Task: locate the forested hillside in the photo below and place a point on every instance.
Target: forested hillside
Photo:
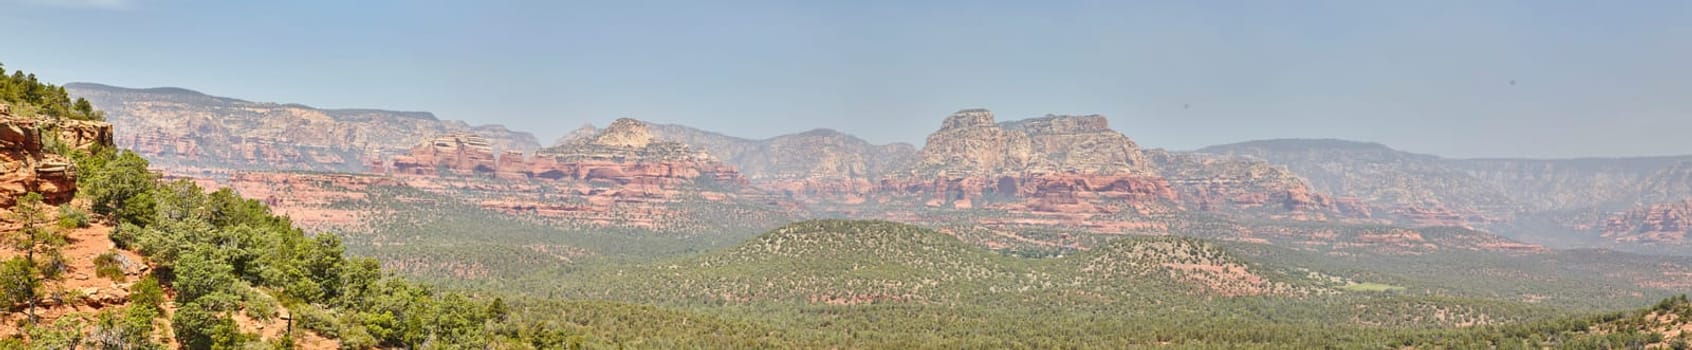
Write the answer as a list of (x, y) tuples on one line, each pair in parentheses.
[(213, 269)]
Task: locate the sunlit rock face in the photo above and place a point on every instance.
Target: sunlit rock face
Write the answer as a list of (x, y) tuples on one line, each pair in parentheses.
[(183, 128), (26, 165)]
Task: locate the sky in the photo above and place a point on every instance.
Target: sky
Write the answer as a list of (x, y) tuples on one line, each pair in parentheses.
[(1540, 78)]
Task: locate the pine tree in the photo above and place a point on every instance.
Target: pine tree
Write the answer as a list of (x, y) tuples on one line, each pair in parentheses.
[(34, 236)]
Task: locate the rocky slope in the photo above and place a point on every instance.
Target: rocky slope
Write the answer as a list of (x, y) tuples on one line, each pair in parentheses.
[(179, 127), (1506, 195), (29, 162)]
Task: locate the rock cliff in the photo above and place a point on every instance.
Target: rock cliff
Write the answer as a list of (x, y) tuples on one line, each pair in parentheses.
[(813, 165), (460, 154), (1656, 223), (625, 153), (179, 127), (1550, 200), (1053, 164), (29, 158)]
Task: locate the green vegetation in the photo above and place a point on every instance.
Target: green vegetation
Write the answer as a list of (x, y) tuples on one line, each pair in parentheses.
[(1372, 287), (870, 284), (24, 275), (30, 98), (106, 265), (224, 254), (867, 284)]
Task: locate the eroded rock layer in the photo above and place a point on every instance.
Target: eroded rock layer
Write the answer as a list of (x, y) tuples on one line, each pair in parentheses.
[(1656, 223), (29, 164), (178, 127)]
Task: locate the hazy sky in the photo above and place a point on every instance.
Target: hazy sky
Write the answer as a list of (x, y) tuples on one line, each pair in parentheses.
[(1592, 77)]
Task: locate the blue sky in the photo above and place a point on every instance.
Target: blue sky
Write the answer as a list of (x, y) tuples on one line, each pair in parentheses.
[(1593, 78)]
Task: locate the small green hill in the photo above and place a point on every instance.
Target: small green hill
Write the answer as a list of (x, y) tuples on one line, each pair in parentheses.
[(1196, 266), (872, 249), (824, 262), (867, 262)]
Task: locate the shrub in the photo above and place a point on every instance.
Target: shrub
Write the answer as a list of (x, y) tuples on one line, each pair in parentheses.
[(53, 265), (72, 218), (107, 265), (199, 328), (16, 282), (147, 293)]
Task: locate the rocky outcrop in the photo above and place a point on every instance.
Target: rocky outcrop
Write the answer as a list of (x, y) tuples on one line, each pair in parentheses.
[(1551, 200), (815, 165), (626, 153), (1052, 164), (182, 128), (1656, 223), (28, 162), (459, 154), (1078, 144), (1392, 180), (970, 143), (1224, 183)]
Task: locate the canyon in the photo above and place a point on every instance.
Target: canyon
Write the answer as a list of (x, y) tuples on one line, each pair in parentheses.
[(1049, 172), (974, 173)]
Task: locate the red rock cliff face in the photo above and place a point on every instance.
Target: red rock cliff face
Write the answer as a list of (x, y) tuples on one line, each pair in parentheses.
[(820, 165), (459, 154), (177, 128), (1657, 223), (1054, 163), (624, 154), (26, 165)]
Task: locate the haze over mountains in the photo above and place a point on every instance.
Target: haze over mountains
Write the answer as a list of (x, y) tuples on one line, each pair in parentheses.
[(845, 175), (642, 235), (1067, 170)]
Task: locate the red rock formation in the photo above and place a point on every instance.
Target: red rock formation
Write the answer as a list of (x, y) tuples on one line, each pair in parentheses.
[(621, 166), (460, 154), (626, 153), (1660, 223), (27, 166), (1042, 192), (1049, 164), (182, 128), (512, 166)]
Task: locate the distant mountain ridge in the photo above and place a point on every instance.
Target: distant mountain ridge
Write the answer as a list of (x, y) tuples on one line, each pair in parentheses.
[(1540, 199), (182, 127)]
